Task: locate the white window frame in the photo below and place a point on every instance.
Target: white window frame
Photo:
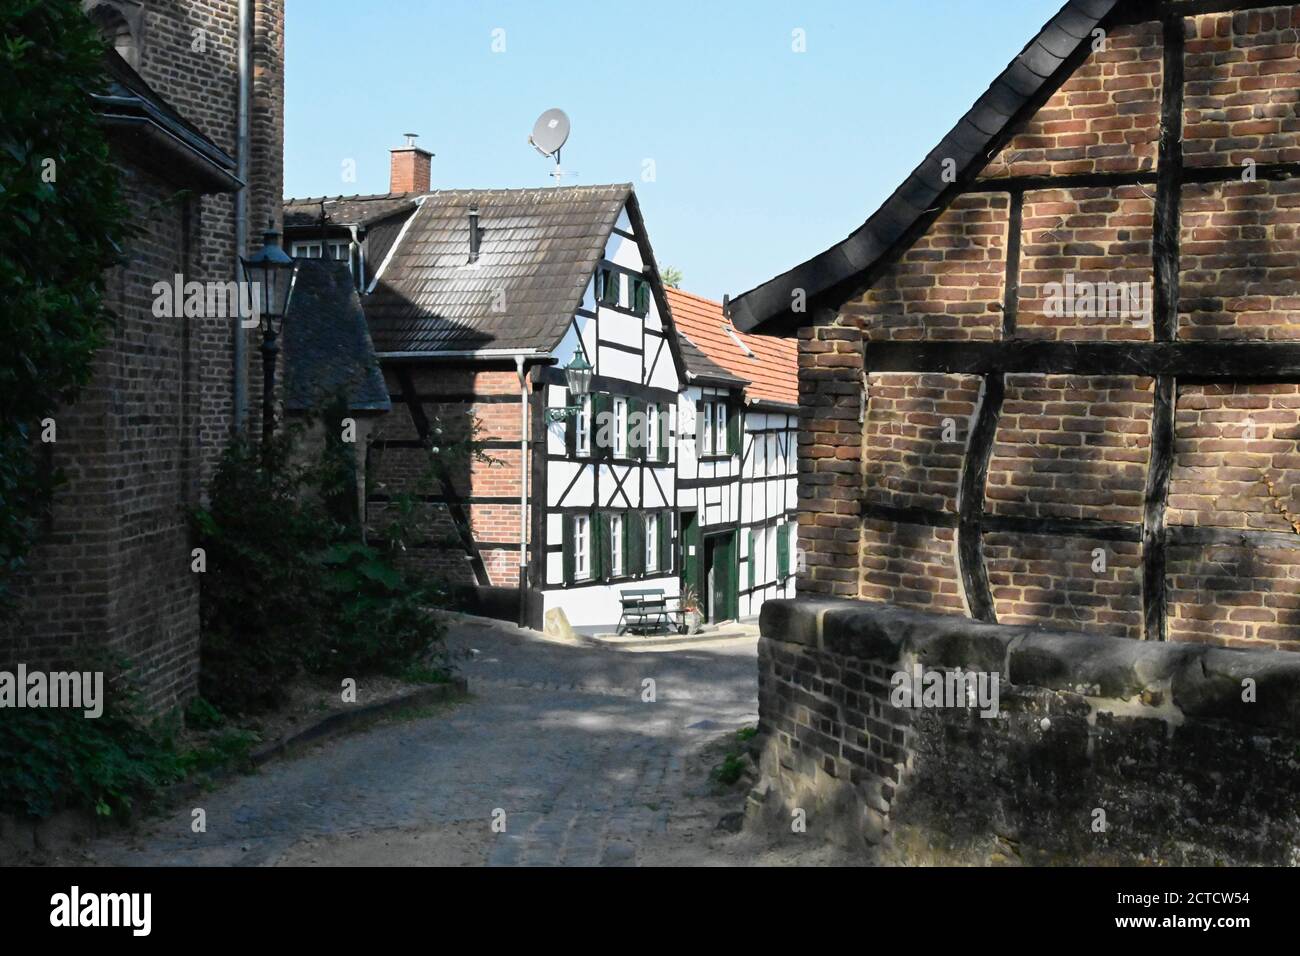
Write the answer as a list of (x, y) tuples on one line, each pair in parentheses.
[(706, 429), (651, 543), (582, 421), (720, 430), (616, 546), (620, 428), (581, 547), (307, 249), (651, 431)]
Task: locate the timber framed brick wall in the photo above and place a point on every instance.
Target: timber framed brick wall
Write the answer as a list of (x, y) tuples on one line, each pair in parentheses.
[(467, 520), (967, 447)]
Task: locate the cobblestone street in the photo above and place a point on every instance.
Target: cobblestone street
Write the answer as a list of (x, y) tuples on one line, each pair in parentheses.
[(558, 737)]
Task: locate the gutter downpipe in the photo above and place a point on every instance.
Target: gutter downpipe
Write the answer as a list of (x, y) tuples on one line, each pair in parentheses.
[(523, 491), (241, 206)]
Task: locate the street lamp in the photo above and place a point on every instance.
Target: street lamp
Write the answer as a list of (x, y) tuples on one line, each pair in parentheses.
[(577, 376), (271, 274)]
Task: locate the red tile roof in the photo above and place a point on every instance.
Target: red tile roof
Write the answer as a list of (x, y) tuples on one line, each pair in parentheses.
[(773, 366)]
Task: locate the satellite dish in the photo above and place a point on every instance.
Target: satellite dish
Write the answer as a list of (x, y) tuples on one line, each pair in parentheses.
[(550, 133)]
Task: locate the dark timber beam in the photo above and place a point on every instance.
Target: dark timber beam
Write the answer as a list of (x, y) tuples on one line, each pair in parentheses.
[(1165, 248), (1147, 177), (970, 502), (1202, 361)]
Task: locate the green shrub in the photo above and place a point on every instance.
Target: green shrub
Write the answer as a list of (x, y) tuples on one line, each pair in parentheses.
[(53, 759), (289, 582), (260, 595)]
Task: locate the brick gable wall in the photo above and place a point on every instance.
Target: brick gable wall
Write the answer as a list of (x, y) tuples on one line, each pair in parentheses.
[(1072, 448)]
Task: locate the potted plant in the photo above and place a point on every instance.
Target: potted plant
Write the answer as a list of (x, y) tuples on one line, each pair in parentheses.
[(691, 610)]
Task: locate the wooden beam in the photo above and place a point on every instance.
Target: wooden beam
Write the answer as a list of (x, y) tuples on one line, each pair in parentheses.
[(1140, 177), (1202, 361), (1187, 535), (970, 502), (1154, 538), (1065, 527), (1011, 282)]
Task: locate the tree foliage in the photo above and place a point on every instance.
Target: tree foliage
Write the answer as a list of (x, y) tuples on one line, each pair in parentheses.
[(64, 223)]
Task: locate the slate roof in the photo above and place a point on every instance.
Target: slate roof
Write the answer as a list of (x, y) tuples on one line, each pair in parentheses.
[(345, 210), (968, 143), (131, 106), (327, 348), (770, 365), (700, 369), (538, 250)]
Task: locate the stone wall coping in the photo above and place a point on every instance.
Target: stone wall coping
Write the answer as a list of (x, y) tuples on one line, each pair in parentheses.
[(1201, 680)]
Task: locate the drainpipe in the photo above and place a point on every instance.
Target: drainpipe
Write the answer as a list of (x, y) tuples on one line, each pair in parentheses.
[(523, 491), (241, 203)]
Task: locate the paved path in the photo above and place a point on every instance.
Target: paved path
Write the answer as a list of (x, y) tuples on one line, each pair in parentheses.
[(557, 737)]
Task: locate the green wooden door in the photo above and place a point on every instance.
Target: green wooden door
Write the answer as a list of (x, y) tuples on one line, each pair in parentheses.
[(692, 557)]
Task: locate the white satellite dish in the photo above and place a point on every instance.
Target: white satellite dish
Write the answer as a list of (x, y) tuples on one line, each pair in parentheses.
[(550, 133)]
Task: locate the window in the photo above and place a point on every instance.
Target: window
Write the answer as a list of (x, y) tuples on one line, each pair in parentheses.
[(651, 542), (704, 425), (582, 428), (581, 547), (620, 428), (616, 546), (608, 284), (640, 296), (651, 430), (720, 429)]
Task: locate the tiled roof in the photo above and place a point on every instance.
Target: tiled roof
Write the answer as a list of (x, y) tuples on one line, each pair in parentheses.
[(926, 190), (537, 253), (327, 348), (700, 366), (769, 364), (345, 210)]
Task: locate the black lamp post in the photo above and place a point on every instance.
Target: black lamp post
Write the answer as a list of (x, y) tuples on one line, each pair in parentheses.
[(577, 376), (271, 273)]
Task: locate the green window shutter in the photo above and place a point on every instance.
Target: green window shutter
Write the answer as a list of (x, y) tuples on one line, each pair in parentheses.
[(753, 566), (664, 420), (635, 543), (570, 431), (666, 541), (600, 547), (783, 552), (567, 548), (733, 428)]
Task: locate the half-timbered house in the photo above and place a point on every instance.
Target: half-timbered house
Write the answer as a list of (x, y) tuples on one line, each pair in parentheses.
[(736, 480), (476, 301)]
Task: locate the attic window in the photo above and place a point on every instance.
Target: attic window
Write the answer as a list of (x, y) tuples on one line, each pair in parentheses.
[(735, 338)]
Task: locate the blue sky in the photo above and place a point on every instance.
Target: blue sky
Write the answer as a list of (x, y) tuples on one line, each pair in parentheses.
[(762, 156)]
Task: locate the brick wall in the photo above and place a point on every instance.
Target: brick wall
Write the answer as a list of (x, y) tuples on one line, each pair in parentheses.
[(479, 402), (1104, 118), (1077, 448), (113, 569), (1156, 737)]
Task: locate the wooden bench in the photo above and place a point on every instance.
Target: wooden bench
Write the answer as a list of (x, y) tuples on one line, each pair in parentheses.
[(643, 610)]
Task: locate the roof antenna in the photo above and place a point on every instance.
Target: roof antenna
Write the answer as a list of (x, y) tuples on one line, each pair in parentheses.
[(550, 133)]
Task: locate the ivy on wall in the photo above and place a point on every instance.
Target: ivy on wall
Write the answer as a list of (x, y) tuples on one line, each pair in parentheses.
[(63, 224)]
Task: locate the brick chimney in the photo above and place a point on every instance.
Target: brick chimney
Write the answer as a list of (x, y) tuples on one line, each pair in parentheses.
[(409, 168)]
